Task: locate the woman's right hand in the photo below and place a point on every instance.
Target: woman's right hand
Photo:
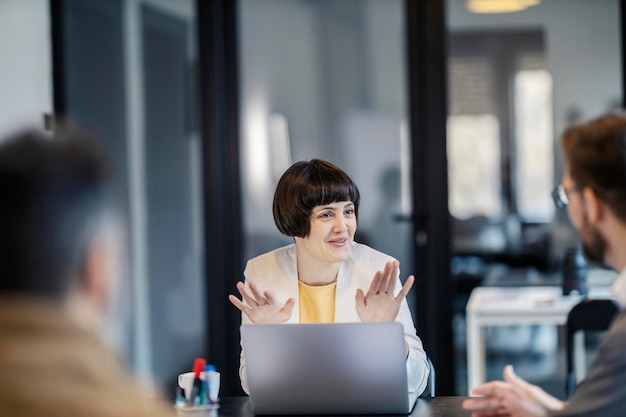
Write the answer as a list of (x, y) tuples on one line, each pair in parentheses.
[(261, 308)]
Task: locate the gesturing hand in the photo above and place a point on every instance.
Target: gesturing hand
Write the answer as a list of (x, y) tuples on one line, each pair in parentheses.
[(512, 397), (261, 307), (379, 304)]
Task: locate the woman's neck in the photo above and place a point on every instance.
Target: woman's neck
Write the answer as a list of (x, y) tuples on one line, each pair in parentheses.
[(315, 273)]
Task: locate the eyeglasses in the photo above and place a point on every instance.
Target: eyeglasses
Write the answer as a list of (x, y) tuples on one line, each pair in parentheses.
[(559, 195)]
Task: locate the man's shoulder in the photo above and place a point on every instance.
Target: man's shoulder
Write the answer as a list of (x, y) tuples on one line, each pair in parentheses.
[(611, 350), (618, 327), (79, 374)]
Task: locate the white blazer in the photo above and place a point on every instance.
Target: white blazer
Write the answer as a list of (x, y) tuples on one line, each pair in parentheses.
[(276, 272)]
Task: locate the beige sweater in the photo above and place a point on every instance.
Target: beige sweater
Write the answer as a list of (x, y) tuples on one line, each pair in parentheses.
[(50, 366)]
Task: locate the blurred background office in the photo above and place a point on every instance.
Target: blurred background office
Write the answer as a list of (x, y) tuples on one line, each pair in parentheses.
[(446, 117)]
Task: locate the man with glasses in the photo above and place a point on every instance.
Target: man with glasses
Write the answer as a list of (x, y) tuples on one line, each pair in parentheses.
[(593, 191)]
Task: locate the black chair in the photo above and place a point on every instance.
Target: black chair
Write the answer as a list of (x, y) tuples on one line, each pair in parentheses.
[(431, 378), (588, 315)]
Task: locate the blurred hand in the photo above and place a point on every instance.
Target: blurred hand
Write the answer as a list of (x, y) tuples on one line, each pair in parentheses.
[(512, 397), (379, 304), (261, 308)]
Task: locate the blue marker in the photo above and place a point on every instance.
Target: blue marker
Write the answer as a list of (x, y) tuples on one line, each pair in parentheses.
[(180, 396), (207, 370)]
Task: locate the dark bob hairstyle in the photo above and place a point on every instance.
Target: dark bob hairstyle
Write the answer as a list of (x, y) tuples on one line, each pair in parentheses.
[(305, 185)]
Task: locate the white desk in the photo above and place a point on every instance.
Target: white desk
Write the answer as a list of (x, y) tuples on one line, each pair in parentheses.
[(505, 306)]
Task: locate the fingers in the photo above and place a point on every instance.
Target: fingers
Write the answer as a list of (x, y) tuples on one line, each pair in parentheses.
[(493, 388), (262, 307), (237, 303), (269, 298), (387, 277), (360, 298), (375, 285), (491, 402), (258, 297), (288, 307), (511, 377), (388, 283), (406, 288), (517, 383), (245, 295), (534, 391), (483, 403), (385, 281)]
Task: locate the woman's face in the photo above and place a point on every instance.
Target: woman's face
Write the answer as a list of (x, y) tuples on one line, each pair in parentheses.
[(332, 232)]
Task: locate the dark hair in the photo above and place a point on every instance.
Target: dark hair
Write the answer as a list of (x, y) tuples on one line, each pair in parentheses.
[(305, 185), (53, 194), (596, 153)]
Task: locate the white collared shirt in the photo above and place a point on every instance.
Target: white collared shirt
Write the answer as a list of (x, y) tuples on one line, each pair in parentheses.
[(619, 288)]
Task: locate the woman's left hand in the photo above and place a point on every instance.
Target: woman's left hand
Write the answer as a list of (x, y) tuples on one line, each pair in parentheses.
[(379, 304)]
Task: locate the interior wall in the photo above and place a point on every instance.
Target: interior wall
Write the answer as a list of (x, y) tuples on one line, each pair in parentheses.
[(583, 55), (384, 31), (276, 77), (582, 51), (26, 64)]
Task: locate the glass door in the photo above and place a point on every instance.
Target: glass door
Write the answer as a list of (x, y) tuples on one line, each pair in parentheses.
[(326, 79), (126, 71), (516, 81)]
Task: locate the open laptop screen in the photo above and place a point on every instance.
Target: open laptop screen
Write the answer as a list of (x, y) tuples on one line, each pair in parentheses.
[(340, 368)]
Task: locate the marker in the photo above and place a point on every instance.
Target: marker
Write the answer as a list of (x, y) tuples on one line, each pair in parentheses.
[(196, 391), (180, 396), (207, 383)]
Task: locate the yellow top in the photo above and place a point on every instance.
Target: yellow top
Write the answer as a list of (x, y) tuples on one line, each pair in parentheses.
[(317, 303)]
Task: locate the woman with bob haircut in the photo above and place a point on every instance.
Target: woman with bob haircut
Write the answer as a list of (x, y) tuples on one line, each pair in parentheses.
[(325, 276)]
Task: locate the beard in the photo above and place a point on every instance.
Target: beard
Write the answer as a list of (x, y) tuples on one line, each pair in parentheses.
[(593, 243)]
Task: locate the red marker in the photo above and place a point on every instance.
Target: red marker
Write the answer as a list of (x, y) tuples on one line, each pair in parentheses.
[(196, 392)]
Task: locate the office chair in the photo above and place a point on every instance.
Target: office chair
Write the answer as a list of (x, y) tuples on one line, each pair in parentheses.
[(588, 315), (431, 378)]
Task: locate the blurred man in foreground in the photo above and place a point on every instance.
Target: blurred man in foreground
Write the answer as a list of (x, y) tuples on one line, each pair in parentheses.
[(59, 249), (593, 191)]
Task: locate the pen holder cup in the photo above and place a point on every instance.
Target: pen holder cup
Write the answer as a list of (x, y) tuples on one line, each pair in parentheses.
[(185, 381)]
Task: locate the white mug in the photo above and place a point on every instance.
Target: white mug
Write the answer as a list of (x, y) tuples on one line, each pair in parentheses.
[(185, 381)]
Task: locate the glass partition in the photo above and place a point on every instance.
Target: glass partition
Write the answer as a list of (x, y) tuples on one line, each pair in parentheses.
[(516, 81), (326, 79), (129, 75)]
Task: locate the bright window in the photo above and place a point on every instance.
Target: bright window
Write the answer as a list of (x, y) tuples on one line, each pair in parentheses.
[(474, 166), (534, 173)]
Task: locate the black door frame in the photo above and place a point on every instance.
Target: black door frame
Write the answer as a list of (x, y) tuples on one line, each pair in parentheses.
[(219, 109), (426, 47), (425, 43)]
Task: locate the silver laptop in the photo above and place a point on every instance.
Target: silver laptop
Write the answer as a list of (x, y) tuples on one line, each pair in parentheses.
[(339, 368)]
